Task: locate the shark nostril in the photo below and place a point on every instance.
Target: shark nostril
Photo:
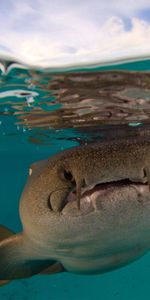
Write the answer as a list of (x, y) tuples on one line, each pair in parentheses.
[(49, 202), (57, 200)]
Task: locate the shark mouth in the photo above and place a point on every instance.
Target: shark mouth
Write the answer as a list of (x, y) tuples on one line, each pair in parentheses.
[(95, 197)]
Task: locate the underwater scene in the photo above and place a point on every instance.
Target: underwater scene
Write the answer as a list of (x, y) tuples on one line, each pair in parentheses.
[(44, 112)]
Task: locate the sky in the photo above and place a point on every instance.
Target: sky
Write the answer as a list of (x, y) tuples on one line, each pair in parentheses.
[(58, 33)]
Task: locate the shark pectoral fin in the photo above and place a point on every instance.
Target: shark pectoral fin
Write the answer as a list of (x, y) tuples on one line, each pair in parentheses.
[(55, 268), (4, 233), (16, 259)]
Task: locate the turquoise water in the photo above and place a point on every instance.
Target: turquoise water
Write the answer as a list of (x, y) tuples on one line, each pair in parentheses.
[(42, 113)]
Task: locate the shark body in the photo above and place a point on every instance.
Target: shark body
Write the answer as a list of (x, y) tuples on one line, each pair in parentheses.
[(85, 210)]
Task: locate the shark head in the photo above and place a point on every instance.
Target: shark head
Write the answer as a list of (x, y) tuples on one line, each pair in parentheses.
[(110, 229)]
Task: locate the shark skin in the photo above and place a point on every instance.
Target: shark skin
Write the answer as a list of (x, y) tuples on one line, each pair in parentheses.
[(85, 210)]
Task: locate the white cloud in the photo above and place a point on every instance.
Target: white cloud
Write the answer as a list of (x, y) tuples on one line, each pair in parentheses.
[(63, 32)]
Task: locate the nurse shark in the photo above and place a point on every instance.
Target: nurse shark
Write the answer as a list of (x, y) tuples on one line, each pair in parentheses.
[(85, 210)]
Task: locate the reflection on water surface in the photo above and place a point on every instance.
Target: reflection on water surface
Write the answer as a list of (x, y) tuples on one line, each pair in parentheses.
[(85, 101)]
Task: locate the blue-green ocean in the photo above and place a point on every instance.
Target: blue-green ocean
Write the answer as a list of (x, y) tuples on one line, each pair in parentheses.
[(43, 112)]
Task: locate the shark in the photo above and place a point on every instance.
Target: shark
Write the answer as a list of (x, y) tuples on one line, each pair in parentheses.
[(84, 210)]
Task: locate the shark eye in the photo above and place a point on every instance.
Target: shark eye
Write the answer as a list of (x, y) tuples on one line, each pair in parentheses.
[(30, 171)]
